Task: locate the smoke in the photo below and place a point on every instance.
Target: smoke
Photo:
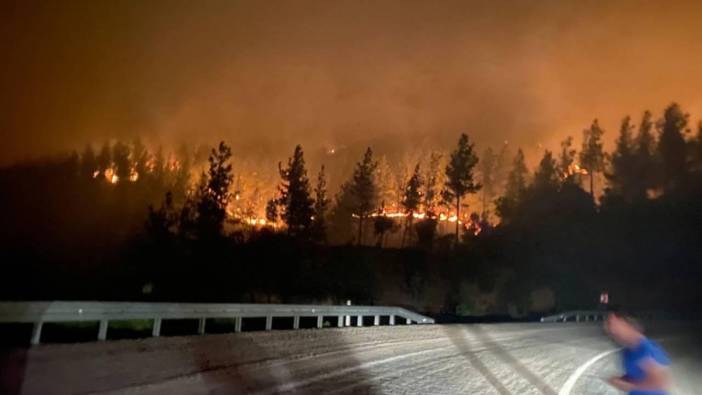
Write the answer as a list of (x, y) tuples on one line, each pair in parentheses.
[(265, 76)]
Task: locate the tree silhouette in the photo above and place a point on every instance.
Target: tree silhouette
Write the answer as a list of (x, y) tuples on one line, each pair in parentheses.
[(341, 219), (546, 175), (592, 156), (213, 193), (364, 190), (385, 182), (623, 177), (515, 188), (272, 210), (672, 147), (566, 160), (645, 158), (321, 206), (431, 184), (459, 174), (295, 195), (411, 201), (161, 225)]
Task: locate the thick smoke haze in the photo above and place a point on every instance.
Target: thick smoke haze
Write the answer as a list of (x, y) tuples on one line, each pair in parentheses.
[(265, 75)]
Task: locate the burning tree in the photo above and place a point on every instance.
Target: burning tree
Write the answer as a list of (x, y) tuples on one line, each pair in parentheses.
[(459, 174)]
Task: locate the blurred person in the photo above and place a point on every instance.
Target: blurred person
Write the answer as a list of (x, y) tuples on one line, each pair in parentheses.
[(645, 362)]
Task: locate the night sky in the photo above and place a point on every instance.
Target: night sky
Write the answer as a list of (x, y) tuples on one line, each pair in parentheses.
[(265, 75)]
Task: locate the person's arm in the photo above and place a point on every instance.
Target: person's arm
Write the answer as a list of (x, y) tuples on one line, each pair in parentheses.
[(621, 383), (657, 376)]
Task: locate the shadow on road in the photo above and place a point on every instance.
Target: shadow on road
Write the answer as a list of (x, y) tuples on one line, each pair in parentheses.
[(457, 335), (241, 363)]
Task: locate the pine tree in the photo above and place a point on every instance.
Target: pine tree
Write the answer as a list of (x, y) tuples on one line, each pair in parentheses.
[(623, 163), (514, 189), (341, 221), (384, 179), (295, 195), (364, 190), (411, 200), (672, 147), (645, 158), (546, 176), (459, 176), (566, 160), (213, 193), (431, 184), (592, 156), (161, 224), (321, 206)]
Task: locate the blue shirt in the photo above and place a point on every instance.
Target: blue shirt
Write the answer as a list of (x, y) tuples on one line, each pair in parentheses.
[(634, 358)]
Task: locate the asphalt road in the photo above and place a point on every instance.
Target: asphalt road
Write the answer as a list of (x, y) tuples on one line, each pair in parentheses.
[(515, 359)]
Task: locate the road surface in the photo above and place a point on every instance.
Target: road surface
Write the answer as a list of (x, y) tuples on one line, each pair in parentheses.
[(518, 359)]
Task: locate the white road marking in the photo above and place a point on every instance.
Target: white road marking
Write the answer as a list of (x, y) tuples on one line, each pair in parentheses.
[(570, 383)]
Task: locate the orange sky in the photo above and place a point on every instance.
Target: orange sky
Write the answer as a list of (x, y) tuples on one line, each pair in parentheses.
[(265, 75)]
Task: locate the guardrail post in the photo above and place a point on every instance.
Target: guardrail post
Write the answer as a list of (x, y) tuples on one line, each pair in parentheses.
[(320, 321), (36, 332), (296, 322), (340, 321), (201, 326), (392, 319), (237, 324), (408, 321), (269, 322), (348, 320), (359, 320), (156, 330), (102, 330), (376, 320)]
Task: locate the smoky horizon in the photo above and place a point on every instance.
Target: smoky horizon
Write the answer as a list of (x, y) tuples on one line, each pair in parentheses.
[(392, 75)]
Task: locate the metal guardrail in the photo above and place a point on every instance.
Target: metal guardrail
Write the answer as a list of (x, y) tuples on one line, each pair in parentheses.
[(577, 316), (38, 313), (600, 315)]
